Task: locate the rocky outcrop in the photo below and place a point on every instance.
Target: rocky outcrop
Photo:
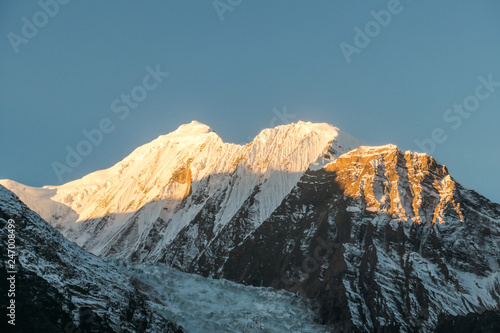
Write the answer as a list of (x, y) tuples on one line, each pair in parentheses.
[(382, 240)]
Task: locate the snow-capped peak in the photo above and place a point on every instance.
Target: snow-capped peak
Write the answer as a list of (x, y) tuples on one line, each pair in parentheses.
[(173, 176), (191, 129)]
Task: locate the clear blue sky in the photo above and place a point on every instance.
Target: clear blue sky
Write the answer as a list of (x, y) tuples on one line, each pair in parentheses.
[(231, 74)]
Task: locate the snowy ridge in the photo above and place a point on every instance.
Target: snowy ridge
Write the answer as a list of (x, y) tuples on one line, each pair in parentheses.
[(164, 184)]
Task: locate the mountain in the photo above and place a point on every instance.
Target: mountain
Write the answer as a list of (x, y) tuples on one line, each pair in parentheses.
[(151, 202), (379, 239), (383, 240), (59, 287)]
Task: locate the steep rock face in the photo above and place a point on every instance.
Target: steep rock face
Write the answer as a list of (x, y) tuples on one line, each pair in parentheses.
[(172, 200), (62, 288), (382, 240), (404, 186)]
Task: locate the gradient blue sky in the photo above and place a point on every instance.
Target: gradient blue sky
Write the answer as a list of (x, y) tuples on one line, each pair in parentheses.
[(231, 74)]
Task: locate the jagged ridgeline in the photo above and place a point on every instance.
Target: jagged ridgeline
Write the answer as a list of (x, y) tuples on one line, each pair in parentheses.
[(378, 238)]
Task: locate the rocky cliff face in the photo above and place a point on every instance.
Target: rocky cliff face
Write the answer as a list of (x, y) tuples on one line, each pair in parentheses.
[(62, 288), (382, 240)]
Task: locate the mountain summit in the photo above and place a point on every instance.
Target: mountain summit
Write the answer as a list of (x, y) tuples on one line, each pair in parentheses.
[(192, 129)]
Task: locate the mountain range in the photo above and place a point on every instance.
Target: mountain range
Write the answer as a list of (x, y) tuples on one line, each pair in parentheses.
[(378, 239)]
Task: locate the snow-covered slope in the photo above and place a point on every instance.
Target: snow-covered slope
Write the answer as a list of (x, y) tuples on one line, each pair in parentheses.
[(61, 288), (203, 305), (147, 203)]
